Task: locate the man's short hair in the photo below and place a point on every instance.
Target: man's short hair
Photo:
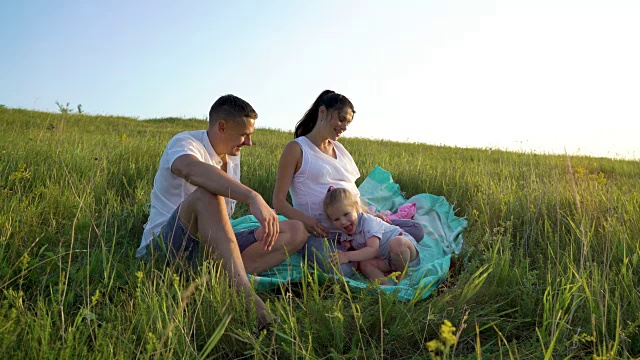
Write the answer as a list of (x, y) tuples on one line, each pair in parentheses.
[(231, 108)]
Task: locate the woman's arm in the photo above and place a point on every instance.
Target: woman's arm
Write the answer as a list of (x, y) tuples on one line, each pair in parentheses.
[(290, 162), (365, 210)]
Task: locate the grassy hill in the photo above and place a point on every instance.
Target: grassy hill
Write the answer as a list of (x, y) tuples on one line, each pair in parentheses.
[(550, 267)]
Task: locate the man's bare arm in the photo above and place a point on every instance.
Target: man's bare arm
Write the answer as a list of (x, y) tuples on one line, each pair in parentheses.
[(217, 182), (210, 178)]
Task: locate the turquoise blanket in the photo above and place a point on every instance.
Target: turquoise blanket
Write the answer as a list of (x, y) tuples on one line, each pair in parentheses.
[(443, 237)]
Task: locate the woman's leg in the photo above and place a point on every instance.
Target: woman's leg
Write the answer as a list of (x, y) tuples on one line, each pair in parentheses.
[(411, 227), (316, 250)]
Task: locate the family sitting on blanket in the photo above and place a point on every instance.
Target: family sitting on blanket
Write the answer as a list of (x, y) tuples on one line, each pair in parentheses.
[(198, 183)]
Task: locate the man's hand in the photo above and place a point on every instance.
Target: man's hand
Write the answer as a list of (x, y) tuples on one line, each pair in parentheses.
[(314, 227), (268, 220)]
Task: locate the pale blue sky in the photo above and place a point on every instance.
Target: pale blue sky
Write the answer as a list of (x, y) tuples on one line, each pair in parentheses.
[(525, 75)]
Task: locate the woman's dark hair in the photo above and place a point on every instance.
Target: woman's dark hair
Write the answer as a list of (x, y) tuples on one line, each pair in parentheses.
[(330, 100)]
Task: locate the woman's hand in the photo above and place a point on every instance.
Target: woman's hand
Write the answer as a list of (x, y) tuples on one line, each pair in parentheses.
[(314, 227), (338, 258), (382, 217)]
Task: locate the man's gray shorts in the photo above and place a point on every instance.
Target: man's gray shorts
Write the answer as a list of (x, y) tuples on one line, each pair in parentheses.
[(174, 239)]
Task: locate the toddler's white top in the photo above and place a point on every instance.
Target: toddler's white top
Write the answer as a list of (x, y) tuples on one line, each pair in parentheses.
[(317, 172)]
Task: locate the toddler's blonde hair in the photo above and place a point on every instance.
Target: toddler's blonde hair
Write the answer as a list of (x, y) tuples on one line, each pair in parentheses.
[(340, 196)]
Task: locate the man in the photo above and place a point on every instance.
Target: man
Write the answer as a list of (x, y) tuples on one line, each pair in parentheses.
[(194, 194)]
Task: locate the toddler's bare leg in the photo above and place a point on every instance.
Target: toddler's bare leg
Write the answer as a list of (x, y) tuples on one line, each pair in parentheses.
[(402, 253), (374, 269)]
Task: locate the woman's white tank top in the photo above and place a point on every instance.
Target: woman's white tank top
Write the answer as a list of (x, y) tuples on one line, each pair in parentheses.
[(317, 172)]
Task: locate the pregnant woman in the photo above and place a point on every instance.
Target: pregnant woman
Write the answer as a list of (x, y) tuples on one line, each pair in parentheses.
[(311, 163)]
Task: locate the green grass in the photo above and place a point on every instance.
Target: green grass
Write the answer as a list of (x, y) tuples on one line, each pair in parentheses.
[(550, 267)]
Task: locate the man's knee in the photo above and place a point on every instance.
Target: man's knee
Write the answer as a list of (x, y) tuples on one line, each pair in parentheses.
[(297, 234), (202, 201), (203, 197)]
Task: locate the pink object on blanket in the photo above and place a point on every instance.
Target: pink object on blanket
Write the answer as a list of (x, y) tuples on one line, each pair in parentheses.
[(405, 211)]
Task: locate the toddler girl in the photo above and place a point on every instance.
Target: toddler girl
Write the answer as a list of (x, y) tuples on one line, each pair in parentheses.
[(380, 248)]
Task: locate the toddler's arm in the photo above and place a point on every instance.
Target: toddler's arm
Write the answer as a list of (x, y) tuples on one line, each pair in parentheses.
[(368, 252)]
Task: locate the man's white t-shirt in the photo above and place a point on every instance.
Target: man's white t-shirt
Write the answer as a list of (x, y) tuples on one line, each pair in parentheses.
[(170, 190)]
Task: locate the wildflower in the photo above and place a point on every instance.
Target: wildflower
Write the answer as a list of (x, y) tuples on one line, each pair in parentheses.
[(585, 338), (394, 275), (337, 313), (21, 174), (434, 345), (139, 276), (24, 261), (446, 333), (95, 298), (152, 343), (446, 340)]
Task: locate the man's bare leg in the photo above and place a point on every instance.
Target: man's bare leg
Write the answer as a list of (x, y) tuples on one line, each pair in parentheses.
[(292, 237), (207, 213)]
